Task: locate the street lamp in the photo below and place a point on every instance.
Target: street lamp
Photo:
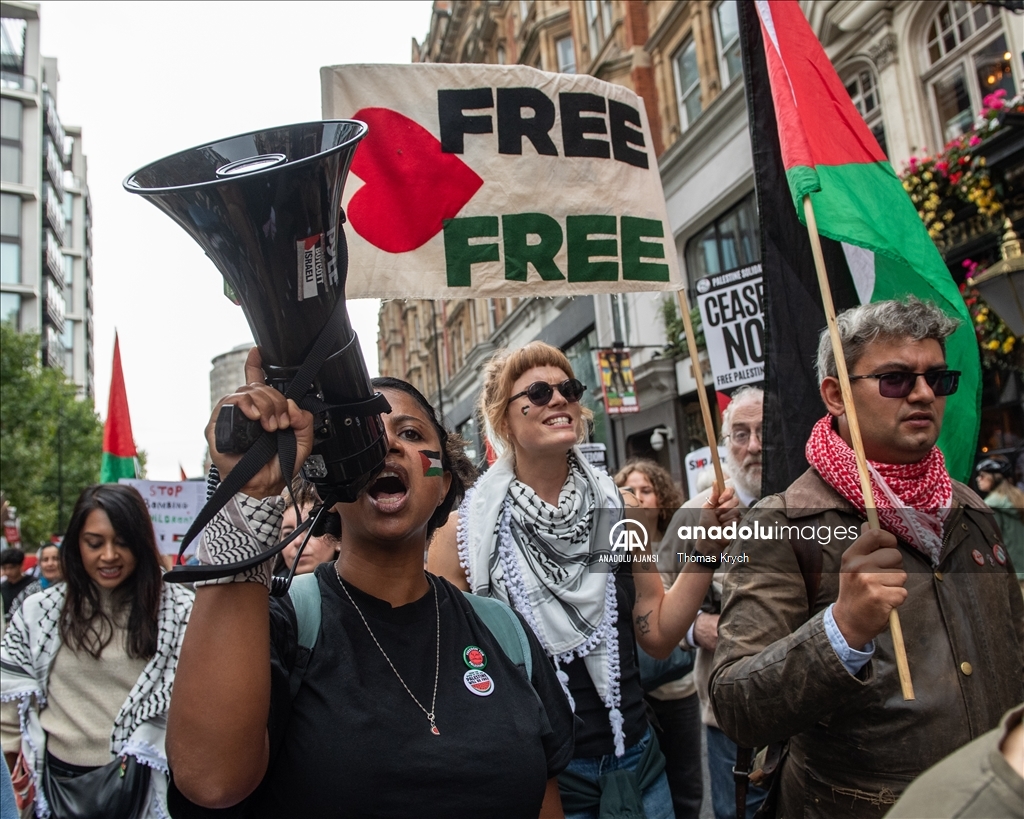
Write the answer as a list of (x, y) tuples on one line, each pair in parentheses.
[(1002, 285)]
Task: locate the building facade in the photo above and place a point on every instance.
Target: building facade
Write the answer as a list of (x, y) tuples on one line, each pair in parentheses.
[(46, 268), (917, 71)]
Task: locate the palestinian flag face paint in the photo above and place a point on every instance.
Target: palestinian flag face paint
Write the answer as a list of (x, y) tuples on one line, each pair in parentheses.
[(431, 463)]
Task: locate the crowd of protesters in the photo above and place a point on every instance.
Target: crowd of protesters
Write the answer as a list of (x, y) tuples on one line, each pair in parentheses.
[(452, 645)]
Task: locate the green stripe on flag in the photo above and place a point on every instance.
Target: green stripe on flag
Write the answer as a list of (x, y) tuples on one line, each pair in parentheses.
[(114, 467), (865, 205)]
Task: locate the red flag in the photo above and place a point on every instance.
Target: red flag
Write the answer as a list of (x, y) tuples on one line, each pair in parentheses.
[(181, 469), (118, 444)]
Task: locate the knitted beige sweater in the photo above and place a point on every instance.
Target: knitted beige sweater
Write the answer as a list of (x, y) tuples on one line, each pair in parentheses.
[(83, 700)]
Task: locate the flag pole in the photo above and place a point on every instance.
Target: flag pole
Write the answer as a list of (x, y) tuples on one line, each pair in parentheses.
[(702, 393), (899, 648)]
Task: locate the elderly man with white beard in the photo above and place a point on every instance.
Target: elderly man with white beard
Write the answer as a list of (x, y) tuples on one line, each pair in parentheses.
[(741, 433)]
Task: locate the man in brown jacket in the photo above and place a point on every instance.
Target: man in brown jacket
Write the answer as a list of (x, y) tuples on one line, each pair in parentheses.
[(804, 651)]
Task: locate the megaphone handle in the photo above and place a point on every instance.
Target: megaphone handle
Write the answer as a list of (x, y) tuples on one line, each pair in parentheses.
[(233, 432)]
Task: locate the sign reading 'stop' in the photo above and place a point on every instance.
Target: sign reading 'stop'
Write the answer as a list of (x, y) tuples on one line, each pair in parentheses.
[(478, 181)]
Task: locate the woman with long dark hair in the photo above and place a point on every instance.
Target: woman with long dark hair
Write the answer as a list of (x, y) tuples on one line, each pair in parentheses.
[(530, 533), (401, 700), (88, 666)]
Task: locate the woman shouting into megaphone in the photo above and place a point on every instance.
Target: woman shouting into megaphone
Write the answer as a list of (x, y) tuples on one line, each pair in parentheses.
[(407, 703)]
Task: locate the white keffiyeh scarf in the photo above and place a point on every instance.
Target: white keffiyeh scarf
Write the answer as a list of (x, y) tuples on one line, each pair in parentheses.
[(27, 652), (537, 558)]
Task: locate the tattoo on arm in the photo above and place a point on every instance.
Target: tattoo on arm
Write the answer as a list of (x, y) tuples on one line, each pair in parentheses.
[(642, 622)]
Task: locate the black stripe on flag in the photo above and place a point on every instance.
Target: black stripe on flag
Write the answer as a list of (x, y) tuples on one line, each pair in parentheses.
[(794, 316)]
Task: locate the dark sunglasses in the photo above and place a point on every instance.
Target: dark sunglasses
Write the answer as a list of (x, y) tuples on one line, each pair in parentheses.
[(900, 385), (541, 392)]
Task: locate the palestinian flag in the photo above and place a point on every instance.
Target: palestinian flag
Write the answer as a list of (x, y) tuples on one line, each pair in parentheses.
[(808, 138), (432, 467), (119, 455)]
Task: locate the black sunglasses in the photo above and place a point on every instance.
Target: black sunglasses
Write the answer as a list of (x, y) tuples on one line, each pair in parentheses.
[(541, 392), (900, 385)]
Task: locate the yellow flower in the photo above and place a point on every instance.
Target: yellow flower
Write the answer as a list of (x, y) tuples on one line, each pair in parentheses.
[(1008, 344), (927, 176), (992, 345)]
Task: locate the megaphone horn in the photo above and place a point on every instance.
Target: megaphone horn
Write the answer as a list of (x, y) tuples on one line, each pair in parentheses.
[(266, 208)]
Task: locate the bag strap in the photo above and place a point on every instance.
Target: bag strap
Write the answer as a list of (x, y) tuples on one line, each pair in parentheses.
[(505, 627), (741, 776), (305, 595)]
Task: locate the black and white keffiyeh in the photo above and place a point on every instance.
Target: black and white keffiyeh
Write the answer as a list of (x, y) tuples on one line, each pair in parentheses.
[(537, 558), (243, 528), (27, 651)]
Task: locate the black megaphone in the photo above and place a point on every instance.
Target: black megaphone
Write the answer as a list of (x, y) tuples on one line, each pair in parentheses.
[(266, 208)]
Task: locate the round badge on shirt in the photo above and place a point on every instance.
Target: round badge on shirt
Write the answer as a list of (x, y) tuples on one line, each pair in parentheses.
[(979, 558), (1000, 554), (479, 682), (474, 657)]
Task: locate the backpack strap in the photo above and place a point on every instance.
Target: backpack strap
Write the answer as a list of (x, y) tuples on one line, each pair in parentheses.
[(505, 627), (305, 595)]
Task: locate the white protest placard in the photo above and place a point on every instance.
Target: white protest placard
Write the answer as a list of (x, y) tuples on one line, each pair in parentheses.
[(173, 505), (732, 311), (489, 180), (696, 462)]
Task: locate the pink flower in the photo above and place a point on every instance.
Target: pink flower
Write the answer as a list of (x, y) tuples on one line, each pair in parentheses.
[(942, 166), (913, 163), (975, 140)]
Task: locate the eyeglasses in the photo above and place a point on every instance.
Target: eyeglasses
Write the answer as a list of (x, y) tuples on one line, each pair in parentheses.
[(900, 385), (742, 436), (541, 392)]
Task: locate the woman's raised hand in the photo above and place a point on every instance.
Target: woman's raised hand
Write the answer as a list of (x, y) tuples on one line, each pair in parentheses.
[(260, 402)]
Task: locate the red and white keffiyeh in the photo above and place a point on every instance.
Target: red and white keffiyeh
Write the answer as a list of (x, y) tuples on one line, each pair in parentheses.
[(912, 499)]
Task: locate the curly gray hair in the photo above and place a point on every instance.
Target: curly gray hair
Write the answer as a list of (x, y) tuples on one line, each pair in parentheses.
[(908, 318), (744, 395)]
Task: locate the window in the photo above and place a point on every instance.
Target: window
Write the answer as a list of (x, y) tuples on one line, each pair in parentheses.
[(566, 56), (687, 85), (10, 233), (68, 341), (10, 140), (10, 215), (12, 44), (599, 23), (69, 277), (69, 217), (863, 90), (727, 39), (10, 119), (10, 308), (968, 59), (730, 242), (524, 10), (955, 23), (10, 263)]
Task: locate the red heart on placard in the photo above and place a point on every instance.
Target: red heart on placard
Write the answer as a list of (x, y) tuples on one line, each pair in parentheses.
[(410, 187)]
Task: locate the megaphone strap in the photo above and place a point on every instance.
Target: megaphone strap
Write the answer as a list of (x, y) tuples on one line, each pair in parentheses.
[(282, 442)]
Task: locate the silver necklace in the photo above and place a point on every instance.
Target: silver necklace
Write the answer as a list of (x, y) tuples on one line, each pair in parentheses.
[(437, 658)]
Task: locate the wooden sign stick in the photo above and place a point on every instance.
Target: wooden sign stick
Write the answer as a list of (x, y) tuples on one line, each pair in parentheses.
[(902, 665), (702, 393)]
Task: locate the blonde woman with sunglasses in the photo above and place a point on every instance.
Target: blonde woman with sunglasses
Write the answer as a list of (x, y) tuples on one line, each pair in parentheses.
[(529, 532)]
